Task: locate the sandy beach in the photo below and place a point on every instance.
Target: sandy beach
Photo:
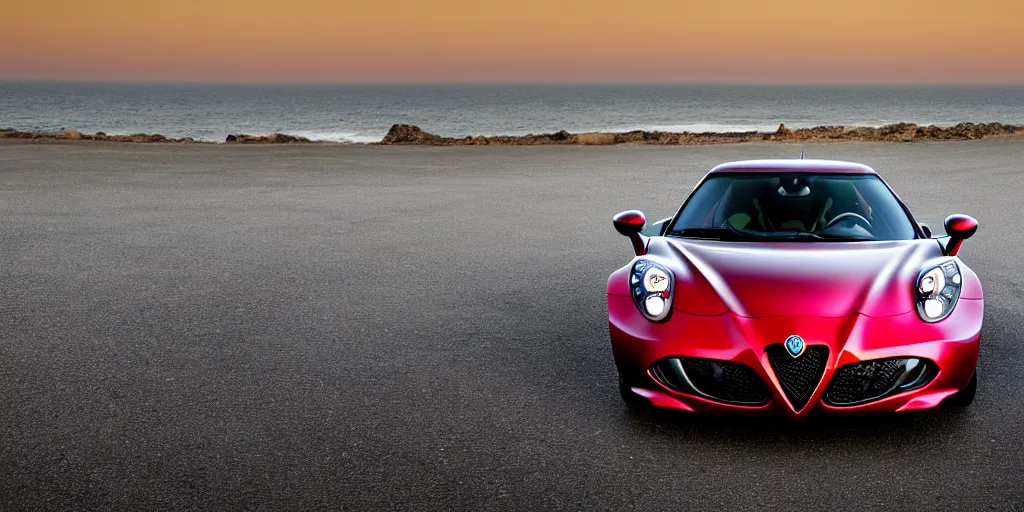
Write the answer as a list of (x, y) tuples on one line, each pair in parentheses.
[(227, 326)]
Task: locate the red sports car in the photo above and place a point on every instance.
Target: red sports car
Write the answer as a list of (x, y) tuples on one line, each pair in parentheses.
[(803, 286)]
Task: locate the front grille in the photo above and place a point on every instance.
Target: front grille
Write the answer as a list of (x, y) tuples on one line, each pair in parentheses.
[(866, 381), (723, 381), (799, 376)]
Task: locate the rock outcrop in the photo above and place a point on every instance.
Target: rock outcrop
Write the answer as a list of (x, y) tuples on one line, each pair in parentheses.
[(408, 134), (277, 138)]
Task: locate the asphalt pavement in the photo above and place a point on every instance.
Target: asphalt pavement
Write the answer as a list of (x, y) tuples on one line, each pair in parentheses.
[(361, 328)]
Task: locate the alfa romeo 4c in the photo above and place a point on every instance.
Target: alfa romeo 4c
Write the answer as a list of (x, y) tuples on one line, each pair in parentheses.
[(803, 286)]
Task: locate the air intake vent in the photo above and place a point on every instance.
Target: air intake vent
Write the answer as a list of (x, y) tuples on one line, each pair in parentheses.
[(723, 381), (799, 376), (867, 381)]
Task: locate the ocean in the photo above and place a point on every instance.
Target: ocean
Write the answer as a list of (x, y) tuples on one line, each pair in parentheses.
[(363, 113)]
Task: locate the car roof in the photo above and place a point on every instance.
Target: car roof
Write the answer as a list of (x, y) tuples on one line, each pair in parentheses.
[(794, 165)]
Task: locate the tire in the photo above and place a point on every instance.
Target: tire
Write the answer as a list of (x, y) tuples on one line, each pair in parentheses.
[(965, 396)]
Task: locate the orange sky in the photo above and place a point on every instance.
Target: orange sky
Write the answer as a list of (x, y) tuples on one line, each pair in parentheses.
[(515, 40)]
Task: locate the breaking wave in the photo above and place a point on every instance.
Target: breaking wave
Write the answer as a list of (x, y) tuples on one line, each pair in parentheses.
[(335, 136)]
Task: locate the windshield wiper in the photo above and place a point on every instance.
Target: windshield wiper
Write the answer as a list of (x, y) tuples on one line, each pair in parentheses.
[(810, 236), (845, 238), (819, 236), (731, 233), (714, 234), (793, 235)]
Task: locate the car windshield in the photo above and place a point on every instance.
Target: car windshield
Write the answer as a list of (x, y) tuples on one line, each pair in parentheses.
[(793, 206)]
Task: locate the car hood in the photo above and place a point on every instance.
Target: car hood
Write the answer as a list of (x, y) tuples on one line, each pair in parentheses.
[(779, 279)]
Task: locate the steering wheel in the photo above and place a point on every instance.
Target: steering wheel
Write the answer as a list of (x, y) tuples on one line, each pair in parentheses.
[(859, 219)]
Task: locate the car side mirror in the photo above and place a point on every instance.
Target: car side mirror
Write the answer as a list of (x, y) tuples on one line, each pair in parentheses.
[(926, 230), (630, 223), (959, 228)]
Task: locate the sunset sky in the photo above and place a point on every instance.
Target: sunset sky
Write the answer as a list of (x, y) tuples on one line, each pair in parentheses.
[(521, 41)]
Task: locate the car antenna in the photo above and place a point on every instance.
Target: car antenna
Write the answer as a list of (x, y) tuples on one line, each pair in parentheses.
[(801, 154)]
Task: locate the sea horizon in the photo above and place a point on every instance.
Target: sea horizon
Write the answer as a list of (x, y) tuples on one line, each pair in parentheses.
[(363, 112), (669, 83)]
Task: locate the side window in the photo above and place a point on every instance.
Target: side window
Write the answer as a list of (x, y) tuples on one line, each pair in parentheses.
[(699, 211), (716, 209), (881, 208)]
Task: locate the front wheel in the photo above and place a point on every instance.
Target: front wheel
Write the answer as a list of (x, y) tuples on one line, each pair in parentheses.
[(965, 396)]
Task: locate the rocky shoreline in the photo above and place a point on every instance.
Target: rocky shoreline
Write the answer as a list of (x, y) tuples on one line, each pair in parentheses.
[(277, 138), (899, 132), (404, 134)]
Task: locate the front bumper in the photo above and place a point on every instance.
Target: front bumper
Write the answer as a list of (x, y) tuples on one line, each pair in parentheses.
[(952, 345)]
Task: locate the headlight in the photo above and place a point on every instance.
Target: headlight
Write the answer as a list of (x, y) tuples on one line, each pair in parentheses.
[(937, 291), (651, 285)]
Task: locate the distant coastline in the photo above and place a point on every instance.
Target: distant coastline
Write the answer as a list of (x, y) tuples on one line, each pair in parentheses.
[(404, 134), (351, 113)]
